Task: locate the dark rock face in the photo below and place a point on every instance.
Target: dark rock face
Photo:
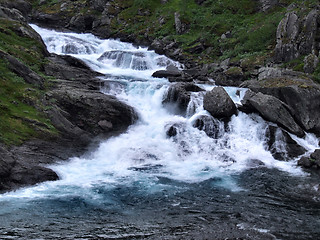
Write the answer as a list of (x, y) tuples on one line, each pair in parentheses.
[(281, 145), (211, 126), (271, 109), (305, 102), (80, 110), (178, 97), (90, 112), (15, 172), (166, 74), (218, 103)]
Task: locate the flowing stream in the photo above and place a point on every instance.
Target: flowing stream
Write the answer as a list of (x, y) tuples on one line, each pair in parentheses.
[(215, 183)]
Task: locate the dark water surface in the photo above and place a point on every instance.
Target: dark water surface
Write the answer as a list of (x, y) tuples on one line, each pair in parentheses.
[(272, 205)]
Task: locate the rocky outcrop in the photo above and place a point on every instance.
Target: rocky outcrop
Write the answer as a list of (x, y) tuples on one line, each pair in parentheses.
[(297, 37), (23, 71), (218, 103), (178, 97), (301, 94), (271, 109), (265, 5), (313, 161)]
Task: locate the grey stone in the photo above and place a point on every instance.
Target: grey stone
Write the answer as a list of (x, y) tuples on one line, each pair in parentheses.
[(218, 103)]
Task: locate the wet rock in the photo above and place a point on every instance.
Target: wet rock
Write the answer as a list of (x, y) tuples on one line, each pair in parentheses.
[(166, 74), (272, 109), (281, 145), (313, 161), (87, 108), (302, 95), (7, 162), (218, 103), (178, 97), (211, 126), (172, 131), (30, 175)]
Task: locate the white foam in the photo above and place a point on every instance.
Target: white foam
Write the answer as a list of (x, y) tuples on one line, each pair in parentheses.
[(145, 153)]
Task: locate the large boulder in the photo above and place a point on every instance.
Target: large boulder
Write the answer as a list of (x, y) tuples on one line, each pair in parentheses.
[(301, 94), (218, 103), (178, 97), (90, 111), (272, 109), (14, 172)]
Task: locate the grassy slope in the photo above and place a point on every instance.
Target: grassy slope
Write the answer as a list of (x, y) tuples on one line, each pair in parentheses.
[(252, 32), (21, 112)]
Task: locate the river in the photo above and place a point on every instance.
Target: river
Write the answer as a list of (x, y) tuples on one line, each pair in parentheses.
[(146, 185)]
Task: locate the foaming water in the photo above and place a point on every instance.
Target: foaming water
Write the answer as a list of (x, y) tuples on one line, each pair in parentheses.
[(145, 153), (168, 176)]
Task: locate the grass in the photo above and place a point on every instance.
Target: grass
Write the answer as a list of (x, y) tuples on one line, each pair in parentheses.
[(21, 110)]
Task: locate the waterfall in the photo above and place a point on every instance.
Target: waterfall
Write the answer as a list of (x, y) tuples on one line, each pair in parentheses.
[(167, 172)]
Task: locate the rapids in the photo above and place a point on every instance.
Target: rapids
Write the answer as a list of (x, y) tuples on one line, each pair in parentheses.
[(143, 184)]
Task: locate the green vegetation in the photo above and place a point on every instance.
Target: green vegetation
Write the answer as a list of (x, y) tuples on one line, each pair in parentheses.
[(21, 115)]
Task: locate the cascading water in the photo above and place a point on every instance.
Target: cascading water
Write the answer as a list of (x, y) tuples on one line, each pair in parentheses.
[(168, 175)]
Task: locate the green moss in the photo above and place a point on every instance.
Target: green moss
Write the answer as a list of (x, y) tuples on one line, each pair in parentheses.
[(19, 118), (21, 111)]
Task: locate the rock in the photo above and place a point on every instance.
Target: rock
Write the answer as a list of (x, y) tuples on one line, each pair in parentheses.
[(178, 97), (7, 162), (24, 7), (234, 74), (310, 63), (87, 108), (305, 162), (22, 175), (265, 5), (200, 2), (308, 38), (12, 14), (172, 131), (211, 126), (311, 162), (297, 37), (23, 71), (167, 73), (218, 103), (180, 26), (287, 34), (272, 109), (281, 145), (81, 23)]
